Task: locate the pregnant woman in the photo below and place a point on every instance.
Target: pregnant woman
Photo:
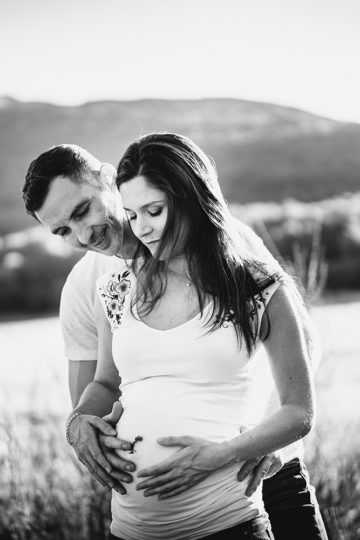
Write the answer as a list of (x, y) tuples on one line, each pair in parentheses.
[(179, 326)]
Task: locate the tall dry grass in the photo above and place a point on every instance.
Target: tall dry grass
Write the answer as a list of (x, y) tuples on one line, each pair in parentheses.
[(45, 492), (333, 459)]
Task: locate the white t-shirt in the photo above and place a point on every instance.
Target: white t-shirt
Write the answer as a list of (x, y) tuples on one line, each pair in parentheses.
[(181, 381)]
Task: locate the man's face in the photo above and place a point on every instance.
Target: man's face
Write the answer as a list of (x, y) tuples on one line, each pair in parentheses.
[(85, 215)]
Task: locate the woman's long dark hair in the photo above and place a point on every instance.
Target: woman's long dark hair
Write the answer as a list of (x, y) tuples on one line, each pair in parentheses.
[(218, 263)]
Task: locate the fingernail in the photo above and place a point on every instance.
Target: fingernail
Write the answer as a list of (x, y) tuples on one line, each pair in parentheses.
[(127, 479), (129, 468)]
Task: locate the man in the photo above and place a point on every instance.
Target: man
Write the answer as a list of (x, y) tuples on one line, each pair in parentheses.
[(75, 196)]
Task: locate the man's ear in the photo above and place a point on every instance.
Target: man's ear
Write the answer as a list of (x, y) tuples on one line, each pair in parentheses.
[(107, 173)]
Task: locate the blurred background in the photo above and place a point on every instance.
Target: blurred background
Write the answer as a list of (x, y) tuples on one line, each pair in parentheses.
[(271, 91)]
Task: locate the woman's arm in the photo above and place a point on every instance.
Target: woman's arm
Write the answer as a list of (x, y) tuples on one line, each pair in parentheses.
[(288, 354), (288, 351), (271, 463)]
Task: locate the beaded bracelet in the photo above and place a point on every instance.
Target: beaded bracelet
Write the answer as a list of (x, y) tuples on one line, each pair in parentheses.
[(68, 424)]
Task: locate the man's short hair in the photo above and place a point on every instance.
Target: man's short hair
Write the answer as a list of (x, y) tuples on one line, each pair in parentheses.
[(68, 160)]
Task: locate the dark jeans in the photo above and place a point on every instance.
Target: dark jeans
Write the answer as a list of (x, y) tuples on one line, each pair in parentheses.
[(291, 504), (255, 529)]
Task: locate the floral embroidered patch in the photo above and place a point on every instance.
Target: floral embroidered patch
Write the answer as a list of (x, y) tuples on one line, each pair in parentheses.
[(114, 294)]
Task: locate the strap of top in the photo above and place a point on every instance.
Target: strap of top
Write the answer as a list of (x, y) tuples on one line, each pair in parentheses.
[(263, 298)]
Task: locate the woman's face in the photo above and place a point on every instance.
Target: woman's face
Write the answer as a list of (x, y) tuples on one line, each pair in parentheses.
[(147, 210)]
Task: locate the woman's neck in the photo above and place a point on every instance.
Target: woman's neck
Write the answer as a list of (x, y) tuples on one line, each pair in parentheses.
[(179, 267)]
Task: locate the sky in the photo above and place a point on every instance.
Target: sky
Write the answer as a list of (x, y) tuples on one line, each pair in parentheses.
[(298, 53)]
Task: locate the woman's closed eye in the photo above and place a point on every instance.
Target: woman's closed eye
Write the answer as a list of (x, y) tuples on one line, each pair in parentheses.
[(153, 212)]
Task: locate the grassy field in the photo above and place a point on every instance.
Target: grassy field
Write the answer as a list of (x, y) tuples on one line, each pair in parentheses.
[(333, 448), (46, 494)]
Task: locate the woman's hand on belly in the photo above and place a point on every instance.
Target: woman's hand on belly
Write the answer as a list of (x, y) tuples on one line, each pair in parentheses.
[(196, 460)]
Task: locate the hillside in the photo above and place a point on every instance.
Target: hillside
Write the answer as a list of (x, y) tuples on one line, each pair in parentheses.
[(263, 152)]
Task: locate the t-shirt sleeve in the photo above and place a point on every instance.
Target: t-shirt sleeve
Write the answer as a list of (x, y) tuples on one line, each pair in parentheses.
[(78, 323)]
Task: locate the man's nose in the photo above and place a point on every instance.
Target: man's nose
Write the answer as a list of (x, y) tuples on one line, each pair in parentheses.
[(83, 234)]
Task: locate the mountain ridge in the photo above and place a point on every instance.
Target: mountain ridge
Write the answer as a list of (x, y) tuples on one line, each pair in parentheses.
[(262, 151)]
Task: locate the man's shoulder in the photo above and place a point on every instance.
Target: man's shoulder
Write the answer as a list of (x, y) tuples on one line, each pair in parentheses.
[(256, 248), (249, 236), (87, 270), (91, 266), (79, 288)]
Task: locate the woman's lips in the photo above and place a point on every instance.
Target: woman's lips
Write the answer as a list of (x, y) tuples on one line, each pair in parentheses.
[(152, 242)]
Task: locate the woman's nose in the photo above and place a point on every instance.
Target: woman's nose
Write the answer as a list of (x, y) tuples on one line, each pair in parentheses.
[(142, 228)]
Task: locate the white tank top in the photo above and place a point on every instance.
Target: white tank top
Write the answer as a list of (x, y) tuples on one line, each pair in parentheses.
[(182, 381)]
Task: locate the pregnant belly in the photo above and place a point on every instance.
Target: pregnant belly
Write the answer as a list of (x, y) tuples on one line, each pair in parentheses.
[(142, 425), (150, 413)]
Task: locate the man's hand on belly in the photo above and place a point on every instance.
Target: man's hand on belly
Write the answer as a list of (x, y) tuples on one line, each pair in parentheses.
[(195, 460), (121, 468), (98, 450)]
